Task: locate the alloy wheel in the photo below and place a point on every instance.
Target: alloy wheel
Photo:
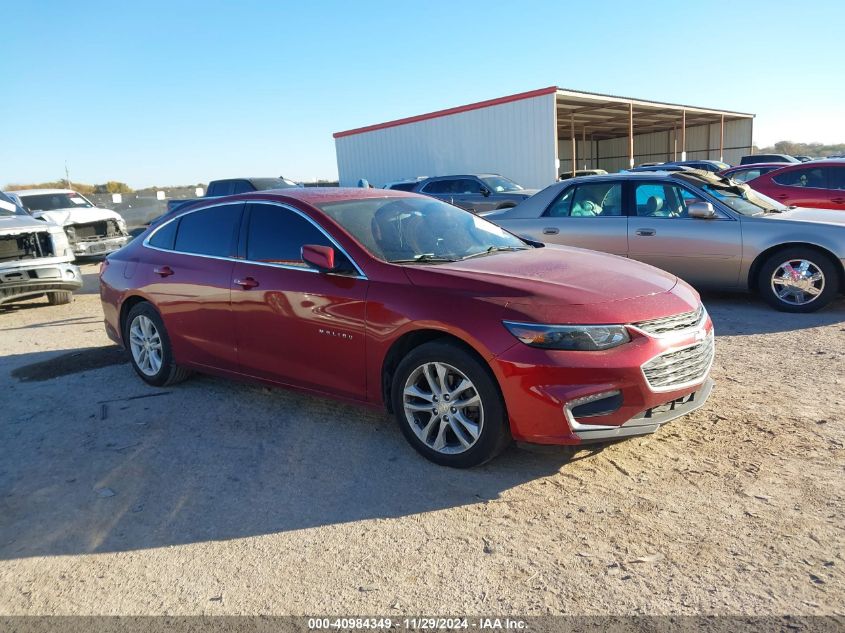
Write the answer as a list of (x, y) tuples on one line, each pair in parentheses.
[(443, 408), (145, 345)]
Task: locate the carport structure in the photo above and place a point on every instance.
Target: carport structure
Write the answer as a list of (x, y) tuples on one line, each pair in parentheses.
[(533, 137), (609, 132)]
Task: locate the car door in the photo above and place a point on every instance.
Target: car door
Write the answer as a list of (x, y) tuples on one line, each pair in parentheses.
[(588, 215), (706, 253), (295, 325), (468, 195), (802, 187), (836, 180), (188, 268), (442, 189)]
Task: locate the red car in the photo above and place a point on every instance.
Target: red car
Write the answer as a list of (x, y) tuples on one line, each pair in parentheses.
[(818, 184), (468, 334)]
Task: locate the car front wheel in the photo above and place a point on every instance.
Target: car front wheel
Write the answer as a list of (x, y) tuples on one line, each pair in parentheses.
[(798, 280), (448, 406)]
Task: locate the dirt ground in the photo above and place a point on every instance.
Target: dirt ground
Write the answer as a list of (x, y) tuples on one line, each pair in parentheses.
[(212, 497)]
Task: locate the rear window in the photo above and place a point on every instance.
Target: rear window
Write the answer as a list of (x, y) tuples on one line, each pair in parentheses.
[(403, 186), (211, 231)]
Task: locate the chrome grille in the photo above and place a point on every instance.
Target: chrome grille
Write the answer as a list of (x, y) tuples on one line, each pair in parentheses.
[(676, 369), (676, 323)]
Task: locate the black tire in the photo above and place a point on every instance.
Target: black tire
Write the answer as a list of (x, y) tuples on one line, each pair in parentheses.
[(830, 271), (59, 297), (495, 432), (169, 373)]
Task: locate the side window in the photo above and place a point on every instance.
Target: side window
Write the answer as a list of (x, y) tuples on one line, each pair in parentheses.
[(601, 199), (467, 185), (836, 177), (439, 186), (165, 236), (662, 200), (745, 176), (221, 188), (560, 207), (809, 177), (211, 231), (241, 186), (277, 235)]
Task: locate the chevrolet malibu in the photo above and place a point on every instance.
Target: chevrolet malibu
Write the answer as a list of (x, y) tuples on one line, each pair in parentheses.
[(469, 335)]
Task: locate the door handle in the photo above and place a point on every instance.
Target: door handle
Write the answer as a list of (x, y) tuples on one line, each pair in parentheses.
[(781, 196), (163, 271), (246, 283), (646, 232), (551, 230), (837, 200)]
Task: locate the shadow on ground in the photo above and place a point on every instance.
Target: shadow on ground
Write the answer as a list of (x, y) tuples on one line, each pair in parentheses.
[(96, 461), (738, 314)]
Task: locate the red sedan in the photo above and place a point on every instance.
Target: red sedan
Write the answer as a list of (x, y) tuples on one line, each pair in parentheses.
[(468, 334), (818, 184)]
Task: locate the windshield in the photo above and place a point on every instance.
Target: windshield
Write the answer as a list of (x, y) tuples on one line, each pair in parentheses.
[(499, 184), (9, 207), (743, 199), (263, 184), (53, 201), (419, 229)]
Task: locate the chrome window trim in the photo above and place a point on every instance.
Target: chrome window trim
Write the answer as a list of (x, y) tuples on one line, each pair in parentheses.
[(360, 275)]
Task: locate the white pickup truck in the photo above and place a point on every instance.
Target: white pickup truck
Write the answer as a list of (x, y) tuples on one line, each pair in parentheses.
[(35, 257), (90, 230)]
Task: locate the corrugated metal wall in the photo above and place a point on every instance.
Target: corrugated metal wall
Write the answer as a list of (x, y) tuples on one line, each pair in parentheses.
[(515, 139), (612, 154)]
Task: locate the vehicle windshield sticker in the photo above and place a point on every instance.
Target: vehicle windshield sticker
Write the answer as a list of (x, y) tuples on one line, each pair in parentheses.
[(7, 205), (77, 201)]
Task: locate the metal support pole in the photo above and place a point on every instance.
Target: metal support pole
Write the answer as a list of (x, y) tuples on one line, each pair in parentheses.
[(584, 144), (572, 131), (722, 140), (631, 135), (684, 134)]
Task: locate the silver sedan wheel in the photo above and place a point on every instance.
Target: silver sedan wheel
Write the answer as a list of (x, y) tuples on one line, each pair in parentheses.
[(443, 408), (798, 282), (145, 345)]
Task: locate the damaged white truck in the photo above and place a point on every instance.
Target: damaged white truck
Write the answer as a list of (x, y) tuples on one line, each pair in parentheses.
[(91, 231), (35, 258)]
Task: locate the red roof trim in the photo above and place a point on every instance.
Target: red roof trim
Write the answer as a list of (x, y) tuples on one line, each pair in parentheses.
[(449, 111)]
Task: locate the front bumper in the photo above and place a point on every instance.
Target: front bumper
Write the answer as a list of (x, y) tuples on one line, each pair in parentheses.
[(559, 397), (27, 281), (104, 246)]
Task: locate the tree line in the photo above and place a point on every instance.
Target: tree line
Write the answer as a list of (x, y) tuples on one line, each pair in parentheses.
[(112, 186), (814, 150)]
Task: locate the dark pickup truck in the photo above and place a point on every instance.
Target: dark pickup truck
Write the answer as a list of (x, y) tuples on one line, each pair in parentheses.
[(232, 186)]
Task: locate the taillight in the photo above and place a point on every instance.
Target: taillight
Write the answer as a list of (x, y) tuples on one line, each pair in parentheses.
[(103, 265)]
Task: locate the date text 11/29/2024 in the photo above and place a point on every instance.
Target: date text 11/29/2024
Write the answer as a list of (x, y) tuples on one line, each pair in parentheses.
[(416, 624)]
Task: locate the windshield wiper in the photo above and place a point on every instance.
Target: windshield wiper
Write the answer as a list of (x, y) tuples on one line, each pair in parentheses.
[(496, 249), (423, 258)]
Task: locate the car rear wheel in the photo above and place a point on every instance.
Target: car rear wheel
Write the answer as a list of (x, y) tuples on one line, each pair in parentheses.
[(798, 280), (60, 297), (149, 347), (448, 406)]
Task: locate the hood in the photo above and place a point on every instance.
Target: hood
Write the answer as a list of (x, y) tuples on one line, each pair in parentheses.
[(64, 217), (800, 214), (540, 282), (525, 193), (14, 224)]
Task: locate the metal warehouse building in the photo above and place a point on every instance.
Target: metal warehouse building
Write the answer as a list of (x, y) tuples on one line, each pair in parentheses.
[(532, 137)]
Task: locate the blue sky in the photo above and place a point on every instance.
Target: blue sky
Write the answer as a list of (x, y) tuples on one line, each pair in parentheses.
[(161, 93)]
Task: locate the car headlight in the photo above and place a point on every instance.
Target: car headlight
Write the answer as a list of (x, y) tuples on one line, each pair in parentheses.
[(60, 243), (71, 233), (585, 338), (121, 224)]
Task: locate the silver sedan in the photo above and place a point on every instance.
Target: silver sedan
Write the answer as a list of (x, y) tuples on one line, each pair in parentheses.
[(710, 231)]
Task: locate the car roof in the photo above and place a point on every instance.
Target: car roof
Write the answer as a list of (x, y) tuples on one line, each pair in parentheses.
[(463, 176), (34, 192), (320, 195)]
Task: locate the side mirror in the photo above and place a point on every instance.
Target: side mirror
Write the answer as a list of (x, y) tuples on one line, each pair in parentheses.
[(485, 191), (701, 210), (319, 257)]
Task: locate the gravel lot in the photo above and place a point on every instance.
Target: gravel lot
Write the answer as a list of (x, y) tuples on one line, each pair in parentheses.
[(213, 497)]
